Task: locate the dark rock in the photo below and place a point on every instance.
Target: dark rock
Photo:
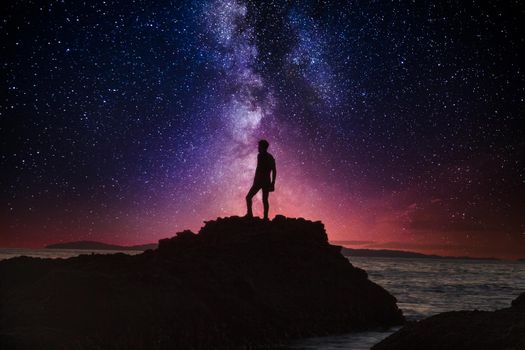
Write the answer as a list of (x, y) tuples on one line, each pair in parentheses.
[(499, 330), (238, 283), (519, 302)]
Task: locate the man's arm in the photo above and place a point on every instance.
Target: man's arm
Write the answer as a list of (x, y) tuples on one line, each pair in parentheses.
[(274, 173)]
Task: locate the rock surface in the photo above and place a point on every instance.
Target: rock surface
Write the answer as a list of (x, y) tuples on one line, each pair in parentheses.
[(239, 283), (499, 330)]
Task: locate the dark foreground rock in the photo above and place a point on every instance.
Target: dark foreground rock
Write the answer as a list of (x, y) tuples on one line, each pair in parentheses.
[(237, 284), (498, 330)]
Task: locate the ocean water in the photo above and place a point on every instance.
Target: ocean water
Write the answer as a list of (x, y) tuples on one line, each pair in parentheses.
[(423, 287)]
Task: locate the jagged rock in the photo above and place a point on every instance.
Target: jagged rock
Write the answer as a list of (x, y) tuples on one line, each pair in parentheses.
[(519, 302), (467, 330), (238, 283)]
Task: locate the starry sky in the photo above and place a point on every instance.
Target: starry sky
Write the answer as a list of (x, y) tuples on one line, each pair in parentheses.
[(398, 124)]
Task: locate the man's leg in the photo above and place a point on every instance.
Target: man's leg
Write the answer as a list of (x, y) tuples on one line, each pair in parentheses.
[(249, 197), (265, 202)]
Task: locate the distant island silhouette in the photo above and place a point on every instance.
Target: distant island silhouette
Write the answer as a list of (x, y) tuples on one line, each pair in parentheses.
[(386, 253), (94, 245)]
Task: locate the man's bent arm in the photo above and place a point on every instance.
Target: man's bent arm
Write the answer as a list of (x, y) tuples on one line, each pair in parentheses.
[(274, 174)]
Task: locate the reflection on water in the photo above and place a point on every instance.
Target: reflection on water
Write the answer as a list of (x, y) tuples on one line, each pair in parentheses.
[(353, 341), (425, 287)]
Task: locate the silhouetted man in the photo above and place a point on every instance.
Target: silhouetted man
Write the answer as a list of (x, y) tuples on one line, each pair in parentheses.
[(262, 181)]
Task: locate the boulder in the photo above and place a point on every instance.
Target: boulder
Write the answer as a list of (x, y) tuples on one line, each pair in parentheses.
[(467, 330)]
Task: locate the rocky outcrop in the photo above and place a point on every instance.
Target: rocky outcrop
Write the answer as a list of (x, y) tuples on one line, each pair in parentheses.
[(498, 330), (238, 283)]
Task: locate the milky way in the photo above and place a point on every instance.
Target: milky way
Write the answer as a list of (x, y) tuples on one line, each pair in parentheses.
[(397, 125)]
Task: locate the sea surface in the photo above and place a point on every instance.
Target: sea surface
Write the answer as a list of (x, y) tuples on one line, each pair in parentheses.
[(423, 287)]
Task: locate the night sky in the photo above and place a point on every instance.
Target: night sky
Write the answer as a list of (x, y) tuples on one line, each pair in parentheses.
[(398, 124)]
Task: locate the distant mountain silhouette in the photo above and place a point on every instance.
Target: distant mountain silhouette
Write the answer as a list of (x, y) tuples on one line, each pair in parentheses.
[(93, 245), (378, 253), (237, 284), (385, 253)]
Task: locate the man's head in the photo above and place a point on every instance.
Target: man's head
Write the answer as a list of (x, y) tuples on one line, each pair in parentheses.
[(263, 145)]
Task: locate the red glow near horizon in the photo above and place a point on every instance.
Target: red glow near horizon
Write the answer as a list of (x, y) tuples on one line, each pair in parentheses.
[(380, 222)]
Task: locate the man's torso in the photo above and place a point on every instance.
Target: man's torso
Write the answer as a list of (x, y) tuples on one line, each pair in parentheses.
[(265, 164)]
